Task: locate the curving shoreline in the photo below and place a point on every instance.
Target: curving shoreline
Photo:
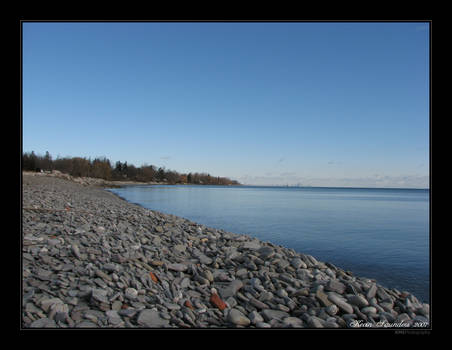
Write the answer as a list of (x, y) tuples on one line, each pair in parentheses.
[(92, 259)]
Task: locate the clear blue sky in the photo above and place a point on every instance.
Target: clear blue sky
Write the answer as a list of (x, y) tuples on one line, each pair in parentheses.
[(328, 104)]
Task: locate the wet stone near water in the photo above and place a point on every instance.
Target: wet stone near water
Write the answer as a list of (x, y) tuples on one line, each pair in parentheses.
[(104, 262)]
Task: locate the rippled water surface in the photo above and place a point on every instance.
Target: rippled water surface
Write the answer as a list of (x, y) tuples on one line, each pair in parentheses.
[(375, 233)]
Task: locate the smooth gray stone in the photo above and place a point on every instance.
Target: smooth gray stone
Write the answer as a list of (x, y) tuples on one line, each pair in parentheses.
[(315, 322), (231, 289), (335, 286), (258, 304), (151, 319), (357, 300), (263, 325), (238, 318), (252, 245), (255, 317), (320, 294), (99, 295), (341, 303), (368, 309), (179, 248), (43, 323), (47, 303), (270, 314), (86, 324), (127, 312), (297, 263), (266, 252), (76, 251), (204, 259), (177, 267), (332, 309), (293, 322)]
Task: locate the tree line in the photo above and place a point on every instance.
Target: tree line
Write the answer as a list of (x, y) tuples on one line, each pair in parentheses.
[(102, 168)]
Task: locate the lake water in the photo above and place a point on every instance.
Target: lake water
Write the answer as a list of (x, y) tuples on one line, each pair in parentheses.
[(376, 233)]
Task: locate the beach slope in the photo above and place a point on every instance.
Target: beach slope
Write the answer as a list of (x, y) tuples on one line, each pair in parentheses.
[(91, 259)]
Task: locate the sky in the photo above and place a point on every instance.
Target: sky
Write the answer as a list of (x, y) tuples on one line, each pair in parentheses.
[(264, 103)]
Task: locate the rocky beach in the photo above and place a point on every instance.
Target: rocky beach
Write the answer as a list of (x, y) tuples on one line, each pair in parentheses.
[(93, 260)]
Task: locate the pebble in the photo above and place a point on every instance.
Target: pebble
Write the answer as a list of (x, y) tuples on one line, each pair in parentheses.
[(340, 302), (371, 292), (369, 310), (113, 317), (177, 267), (297, 263), (315, 322), (266, 252), (255, 317), (332, 309), (270, 314), (335, 286), (217, 301), (110, 263), (43, 323), (323, 298), (230, 289), (131, 293), (238, 318), (252, 245), (263, 325), (293, 322), (151, 319), (357, 300)]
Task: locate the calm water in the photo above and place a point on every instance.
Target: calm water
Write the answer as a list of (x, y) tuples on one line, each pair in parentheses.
[(375, 233)]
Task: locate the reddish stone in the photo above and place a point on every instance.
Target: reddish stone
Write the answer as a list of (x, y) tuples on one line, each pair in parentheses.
[(188, 304), (153, 277), (215, 300)]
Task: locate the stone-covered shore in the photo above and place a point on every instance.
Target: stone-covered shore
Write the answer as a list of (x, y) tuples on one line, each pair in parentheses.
[(93, 260)]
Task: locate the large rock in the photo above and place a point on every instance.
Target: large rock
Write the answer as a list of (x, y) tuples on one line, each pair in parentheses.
[(266, 252), (297, 263), (335, 286), (43, 323), (315, 322), (293, 322), (340, 302), (204, 259), (358, 301), (131, 293), (323, 298), (151, 319), (231, 289), (258, 304), (238, 318), (255, 317), (99, 295), (252, 245), (177, 267), (179, 248), (270, 314), (47, 303), (372, 291)]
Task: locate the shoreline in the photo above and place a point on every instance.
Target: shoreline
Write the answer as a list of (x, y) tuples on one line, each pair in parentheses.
[(92, 181), (92, 259)]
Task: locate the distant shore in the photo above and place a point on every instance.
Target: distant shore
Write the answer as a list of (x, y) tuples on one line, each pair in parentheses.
[(91, 259)]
